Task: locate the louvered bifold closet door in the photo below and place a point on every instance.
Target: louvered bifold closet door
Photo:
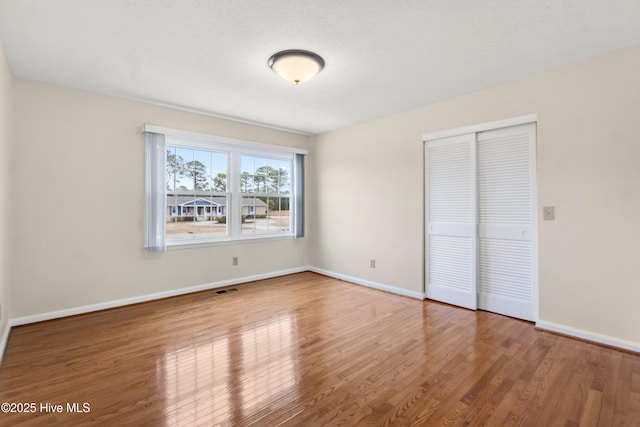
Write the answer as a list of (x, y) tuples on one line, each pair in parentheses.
[(451, 221), (506, 221)]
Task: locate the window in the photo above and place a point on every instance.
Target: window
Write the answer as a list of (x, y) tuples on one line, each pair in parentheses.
[(265, 184), (196, 193), (214, 190)]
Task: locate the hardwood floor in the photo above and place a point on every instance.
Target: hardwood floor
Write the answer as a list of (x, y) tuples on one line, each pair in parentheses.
[(307, 350)]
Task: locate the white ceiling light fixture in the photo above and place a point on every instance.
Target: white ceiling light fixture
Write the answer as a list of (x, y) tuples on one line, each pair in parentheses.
[(296, 66)]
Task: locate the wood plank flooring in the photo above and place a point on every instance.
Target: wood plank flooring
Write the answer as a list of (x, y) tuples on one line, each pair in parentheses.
[(307, 350)]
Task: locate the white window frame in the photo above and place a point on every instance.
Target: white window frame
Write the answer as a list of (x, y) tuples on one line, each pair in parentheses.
[(235, 150)]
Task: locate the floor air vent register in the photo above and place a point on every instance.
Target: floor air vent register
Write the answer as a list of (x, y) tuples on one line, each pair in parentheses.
[(226, 291)]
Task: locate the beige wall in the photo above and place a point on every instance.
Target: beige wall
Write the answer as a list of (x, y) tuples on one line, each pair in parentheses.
[(5, 190), (78, 201), (368, 193)]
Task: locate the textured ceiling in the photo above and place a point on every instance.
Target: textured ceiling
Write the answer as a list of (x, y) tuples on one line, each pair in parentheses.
[(382, 56)]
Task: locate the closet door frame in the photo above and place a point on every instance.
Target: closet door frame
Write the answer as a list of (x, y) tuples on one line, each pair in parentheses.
[(474, 129)]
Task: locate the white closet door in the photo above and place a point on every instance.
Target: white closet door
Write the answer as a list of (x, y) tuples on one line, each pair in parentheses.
[(451, 220), (506, 221)]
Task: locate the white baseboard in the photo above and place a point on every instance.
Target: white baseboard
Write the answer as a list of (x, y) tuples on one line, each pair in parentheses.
[(4, 339), (369, 284), (149, 297), (589, 336)]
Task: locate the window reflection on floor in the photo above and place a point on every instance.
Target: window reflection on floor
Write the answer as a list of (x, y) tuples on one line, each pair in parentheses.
[(237, 374), (196, 383), (268, 362)]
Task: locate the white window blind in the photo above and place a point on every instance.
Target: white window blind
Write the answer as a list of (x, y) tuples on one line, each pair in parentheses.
[(155, 225)]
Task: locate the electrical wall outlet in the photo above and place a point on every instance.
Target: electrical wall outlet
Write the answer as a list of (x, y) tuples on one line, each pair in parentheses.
[(548, 213), (234, 260), (373, 263)]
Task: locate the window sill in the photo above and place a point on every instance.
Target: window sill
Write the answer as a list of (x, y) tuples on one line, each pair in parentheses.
[(177, 245)]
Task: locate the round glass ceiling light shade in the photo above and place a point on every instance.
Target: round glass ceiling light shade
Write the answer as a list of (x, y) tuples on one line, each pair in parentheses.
[(296, 66)]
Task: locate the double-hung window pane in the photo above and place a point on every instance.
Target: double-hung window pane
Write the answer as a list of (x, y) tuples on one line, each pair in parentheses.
[(197, 193), (265, 186)]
